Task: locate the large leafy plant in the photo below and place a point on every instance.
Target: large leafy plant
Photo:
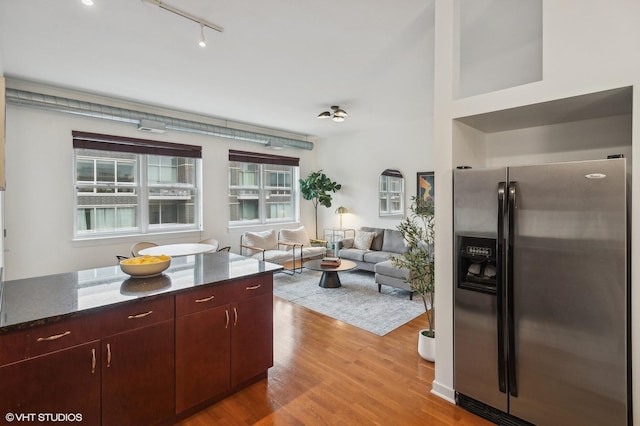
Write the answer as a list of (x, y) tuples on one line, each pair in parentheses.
[(317, 187), (418, 232)]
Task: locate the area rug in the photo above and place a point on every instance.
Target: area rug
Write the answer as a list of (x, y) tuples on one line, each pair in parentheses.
[(357, 302)]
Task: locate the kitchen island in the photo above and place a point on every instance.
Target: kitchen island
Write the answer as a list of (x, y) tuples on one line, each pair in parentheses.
[(99, 347)]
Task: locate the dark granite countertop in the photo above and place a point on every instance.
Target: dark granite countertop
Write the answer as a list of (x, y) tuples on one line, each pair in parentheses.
[(38, 300)]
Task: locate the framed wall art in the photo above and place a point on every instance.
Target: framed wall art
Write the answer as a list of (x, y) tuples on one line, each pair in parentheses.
[(425, 186)]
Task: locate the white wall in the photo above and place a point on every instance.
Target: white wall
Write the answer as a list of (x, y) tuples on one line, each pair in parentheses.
[(588, 46), (358, 163), (356, 160), (500, 45), (579, 140), (39, 196)]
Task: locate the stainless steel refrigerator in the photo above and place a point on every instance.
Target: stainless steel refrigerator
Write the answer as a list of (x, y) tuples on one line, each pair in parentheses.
[(541, 315)]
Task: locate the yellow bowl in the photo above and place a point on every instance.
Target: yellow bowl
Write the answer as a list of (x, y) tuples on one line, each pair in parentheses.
[(145, 266)]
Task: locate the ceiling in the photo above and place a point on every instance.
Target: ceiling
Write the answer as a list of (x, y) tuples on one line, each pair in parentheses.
[(277, 64)]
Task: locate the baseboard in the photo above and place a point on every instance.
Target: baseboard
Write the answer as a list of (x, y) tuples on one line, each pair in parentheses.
[(444, 392)]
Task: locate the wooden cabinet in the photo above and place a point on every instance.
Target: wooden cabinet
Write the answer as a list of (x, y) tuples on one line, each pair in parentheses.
[(66, 381), (114, 367), (142, 362), (202, 357), (251, 338), (224, 338), (138, 365)]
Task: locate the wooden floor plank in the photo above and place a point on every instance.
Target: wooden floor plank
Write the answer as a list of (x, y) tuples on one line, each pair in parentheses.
[(327, 372)]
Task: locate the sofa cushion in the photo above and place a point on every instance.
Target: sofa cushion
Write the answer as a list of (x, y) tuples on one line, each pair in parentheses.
[(309, 252), (382, 279), (352, 254), (363, 240), (387, 268), (274, 256), (298, 235), (263, 239), (378, 239), (393, 241), (346, 243), (373, 256)]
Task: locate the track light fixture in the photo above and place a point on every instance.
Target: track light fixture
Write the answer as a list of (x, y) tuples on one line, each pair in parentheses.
[(337, 115), (202, 42), (203, 22)]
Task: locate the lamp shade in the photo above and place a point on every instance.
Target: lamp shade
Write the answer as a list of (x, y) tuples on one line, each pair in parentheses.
[(340, 113), (342, 210)]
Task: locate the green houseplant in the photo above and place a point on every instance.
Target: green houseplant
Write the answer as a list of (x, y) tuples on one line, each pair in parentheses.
[(317, 187), (418, 232)]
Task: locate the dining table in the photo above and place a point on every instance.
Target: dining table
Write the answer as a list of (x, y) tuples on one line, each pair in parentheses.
[(179, 249)]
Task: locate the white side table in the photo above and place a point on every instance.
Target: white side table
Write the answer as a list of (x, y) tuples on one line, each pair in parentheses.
[(334, 235)]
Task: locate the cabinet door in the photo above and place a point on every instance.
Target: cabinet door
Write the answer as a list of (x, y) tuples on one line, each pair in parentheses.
[(202, 356), (251, 338), (65, 382), (138, 376)]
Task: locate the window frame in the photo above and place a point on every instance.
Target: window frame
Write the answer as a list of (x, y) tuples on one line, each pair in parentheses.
[(388, 194), (140, 150), (264, 186)]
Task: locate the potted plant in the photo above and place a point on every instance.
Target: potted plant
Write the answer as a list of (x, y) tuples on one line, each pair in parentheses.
[(317, 187), (418, 232)]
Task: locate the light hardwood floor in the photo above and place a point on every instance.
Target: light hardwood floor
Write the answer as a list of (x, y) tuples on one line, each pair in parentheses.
[(327, 372)]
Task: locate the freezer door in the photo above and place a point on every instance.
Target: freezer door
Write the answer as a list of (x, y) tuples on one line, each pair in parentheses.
[(570, 293), (475, 312)]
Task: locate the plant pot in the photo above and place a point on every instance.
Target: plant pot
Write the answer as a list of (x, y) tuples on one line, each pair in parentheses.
[(426, 346)]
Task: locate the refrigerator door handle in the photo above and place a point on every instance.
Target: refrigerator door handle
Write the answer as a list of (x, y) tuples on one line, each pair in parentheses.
[(502, 369), (511, 346)]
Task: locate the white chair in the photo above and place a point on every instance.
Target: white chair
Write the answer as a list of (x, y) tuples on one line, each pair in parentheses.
[(264, 246), (213, 242), (307, 248), (135, 249)]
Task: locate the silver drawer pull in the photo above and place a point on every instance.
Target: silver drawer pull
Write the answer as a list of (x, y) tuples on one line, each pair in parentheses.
[(142, 315), (206, 299), (255, 287), (54, 337)]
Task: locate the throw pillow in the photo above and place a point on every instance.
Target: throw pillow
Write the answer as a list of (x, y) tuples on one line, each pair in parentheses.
[(363, 240), (264, 239), (346, 243), (298, 235)]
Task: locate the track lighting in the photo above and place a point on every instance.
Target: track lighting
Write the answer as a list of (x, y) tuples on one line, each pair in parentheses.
[(338, 114), (202, 42), (203, 22)]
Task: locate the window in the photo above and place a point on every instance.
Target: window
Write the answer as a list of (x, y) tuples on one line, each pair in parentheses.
[(391, 193), (262, 188), (128, 186)]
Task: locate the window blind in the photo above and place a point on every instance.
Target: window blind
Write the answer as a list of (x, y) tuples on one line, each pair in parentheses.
[(259, 158), (138, 146)]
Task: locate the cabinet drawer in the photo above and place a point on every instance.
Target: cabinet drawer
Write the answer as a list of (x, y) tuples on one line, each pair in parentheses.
[(47, 338), (137, 314), (254, 286), (203, 298)]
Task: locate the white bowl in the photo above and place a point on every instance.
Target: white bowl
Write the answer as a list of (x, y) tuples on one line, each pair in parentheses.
[(153, 265)]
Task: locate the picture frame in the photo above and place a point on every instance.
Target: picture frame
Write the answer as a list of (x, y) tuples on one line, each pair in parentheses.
[(425, 186)]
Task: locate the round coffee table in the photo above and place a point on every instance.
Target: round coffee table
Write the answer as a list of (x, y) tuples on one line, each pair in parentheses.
[(330, 278)]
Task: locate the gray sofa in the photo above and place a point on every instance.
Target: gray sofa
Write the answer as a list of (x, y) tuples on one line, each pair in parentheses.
[(377, 258)]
